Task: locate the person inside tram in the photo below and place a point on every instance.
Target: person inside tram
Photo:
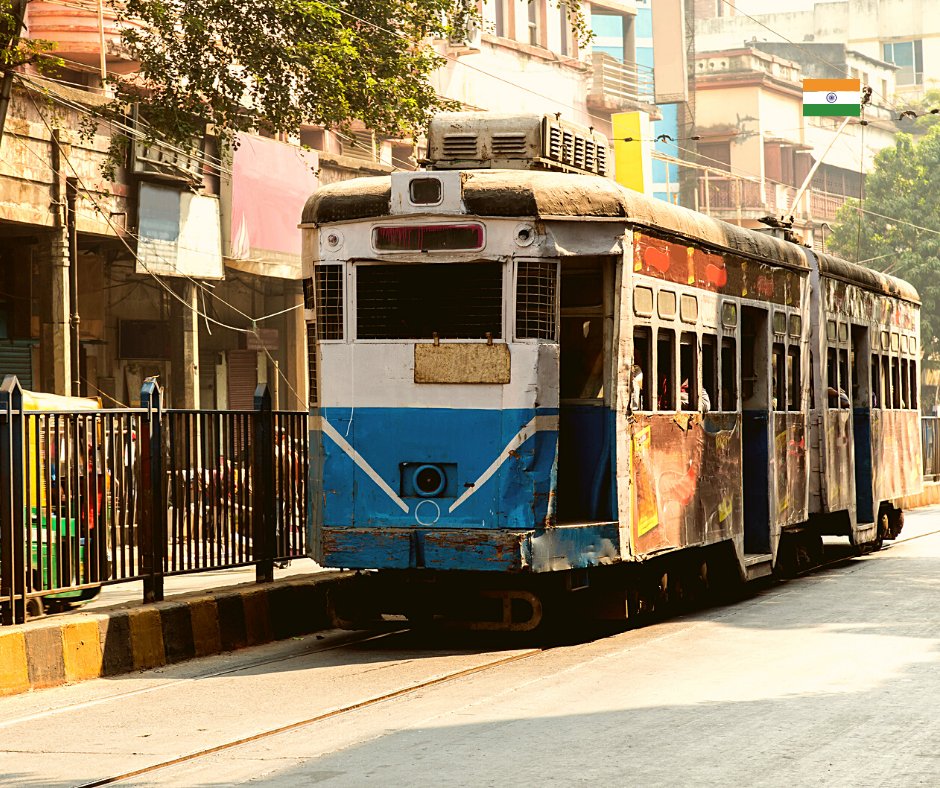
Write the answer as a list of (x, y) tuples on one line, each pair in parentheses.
[(837, 399), (636, 387), (704, 400)]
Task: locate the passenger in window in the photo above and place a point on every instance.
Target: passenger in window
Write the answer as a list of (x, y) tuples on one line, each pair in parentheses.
[(705, 403), (837, 399), (636, 388)]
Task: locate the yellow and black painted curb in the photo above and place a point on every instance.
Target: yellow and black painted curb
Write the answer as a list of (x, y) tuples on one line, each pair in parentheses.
[(81, 646)]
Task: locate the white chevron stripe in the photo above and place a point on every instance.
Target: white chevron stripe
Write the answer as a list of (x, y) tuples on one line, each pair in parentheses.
[(537, 424), (357, 458)]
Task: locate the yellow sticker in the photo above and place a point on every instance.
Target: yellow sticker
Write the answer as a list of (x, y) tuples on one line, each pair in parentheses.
[(724, 508)]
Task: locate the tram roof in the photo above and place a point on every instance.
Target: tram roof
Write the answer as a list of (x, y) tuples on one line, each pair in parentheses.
[(875, 281), (517, 193)]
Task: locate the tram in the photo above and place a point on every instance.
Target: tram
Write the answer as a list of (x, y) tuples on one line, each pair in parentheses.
[(529, 383)]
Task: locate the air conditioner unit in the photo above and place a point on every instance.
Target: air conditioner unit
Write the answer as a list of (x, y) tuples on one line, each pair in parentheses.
[(467, 44)]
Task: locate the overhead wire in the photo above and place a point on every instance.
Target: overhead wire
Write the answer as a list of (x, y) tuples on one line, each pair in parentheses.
[(252, 330)]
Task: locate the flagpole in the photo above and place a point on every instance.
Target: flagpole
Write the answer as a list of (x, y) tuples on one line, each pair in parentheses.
[(815, 166)]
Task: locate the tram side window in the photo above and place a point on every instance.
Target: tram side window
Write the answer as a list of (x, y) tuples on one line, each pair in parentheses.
[(845, 383), (912, 372), (905, 384), (665, 373), (832, 377), (710, 372), (779, 371), (896, 383), (729, 375), (794, 378), (642, 365), (688, 373)]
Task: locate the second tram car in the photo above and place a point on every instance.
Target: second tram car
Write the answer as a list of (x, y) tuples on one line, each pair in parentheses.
[(527, 381)]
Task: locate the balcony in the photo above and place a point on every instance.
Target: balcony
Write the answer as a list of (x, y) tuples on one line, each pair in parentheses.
[(729, 198), (619, 87), (75, 29)]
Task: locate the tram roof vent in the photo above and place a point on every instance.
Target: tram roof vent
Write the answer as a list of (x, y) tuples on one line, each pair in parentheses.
[(485, 140)]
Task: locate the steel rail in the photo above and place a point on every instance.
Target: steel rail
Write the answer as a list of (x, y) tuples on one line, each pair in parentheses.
[(266, 734)]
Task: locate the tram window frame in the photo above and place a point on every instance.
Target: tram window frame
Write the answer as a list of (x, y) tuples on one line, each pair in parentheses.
[(729, 375), (643, 358), (394, 319), (709, 356), (688, 370), (845, 380), (905, 384), (794, 378), (666, 373), (778, 371), (832, 375), (895, 383)]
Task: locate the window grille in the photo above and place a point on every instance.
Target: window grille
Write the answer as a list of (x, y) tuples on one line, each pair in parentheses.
[(451, 300), (329, 306), (312, 362), (536, 286)]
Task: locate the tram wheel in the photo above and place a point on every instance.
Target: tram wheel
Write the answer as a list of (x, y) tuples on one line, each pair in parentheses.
[(895, 523)]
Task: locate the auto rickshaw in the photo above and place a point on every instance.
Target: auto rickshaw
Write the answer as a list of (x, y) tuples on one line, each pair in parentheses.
[(65, 492)]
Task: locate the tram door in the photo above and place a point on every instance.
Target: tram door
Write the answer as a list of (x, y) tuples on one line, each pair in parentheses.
[(865, 380), (585, 417), (755, 422)]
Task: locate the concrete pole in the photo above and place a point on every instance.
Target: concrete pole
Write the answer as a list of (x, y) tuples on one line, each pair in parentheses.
[(55, 347), (184, 345)]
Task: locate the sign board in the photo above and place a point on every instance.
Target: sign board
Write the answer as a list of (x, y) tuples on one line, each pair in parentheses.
[(180, 233)]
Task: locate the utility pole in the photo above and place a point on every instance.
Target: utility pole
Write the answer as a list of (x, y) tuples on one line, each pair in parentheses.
[(18, 13)]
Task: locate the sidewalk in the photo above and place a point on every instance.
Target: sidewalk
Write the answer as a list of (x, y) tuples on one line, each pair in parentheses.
[(201, 614)]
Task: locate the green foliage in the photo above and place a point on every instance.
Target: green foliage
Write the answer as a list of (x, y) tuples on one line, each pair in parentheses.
[(904, 185), (927, 110), (288, 61), (16, 51)]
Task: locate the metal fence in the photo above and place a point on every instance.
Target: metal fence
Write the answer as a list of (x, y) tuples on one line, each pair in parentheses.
[(93, 497)]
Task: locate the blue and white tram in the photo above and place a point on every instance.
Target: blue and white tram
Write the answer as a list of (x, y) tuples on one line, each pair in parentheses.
[(522, 380)]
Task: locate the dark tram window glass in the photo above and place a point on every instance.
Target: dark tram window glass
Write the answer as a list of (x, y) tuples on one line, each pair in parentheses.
[(688, 373), (905, 384), (912, 371), (896, 383), (710, 371), (535, 299), (729, 375), (329, 301), (845, 384), (640, 374), (665, 369), (779, 383), (452, 300), (582, 365), (794, 378), (878, 388), (832, 377), (582, 289)]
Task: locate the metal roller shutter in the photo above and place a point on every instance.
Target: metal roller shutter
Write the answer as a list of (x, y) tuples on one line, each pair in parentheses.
[(242, 379), (16, 358)]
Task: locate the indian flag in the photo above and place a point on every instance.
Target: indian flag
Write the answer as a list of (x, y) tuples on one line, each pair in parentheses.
[(838, 97)]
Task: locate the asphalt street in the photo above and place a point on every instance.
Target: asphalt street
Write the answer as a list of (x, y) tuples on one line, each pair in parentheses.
[(831, 679)]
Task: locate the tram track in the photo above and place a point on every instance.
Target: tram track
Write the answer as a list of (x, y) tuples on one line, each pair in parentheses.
[(348, 641), (313, 720)]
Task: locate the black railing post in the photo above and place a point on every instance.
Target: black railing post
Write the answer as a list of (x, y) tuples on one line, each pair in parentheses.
[(13, 521), (263, 512), (152, 542)]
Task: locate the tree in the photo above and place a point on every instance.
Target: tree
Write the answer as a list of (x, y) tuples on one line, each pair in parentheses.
[(898, 230), (229, 62)]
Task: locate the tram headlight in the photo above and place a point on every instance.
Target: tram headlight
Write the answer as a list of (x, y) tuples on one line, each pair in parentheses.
[(429, 480)]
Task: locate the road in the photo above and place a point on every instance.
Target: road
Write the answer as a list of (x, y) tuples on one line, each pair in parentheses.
[(831, 679)]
